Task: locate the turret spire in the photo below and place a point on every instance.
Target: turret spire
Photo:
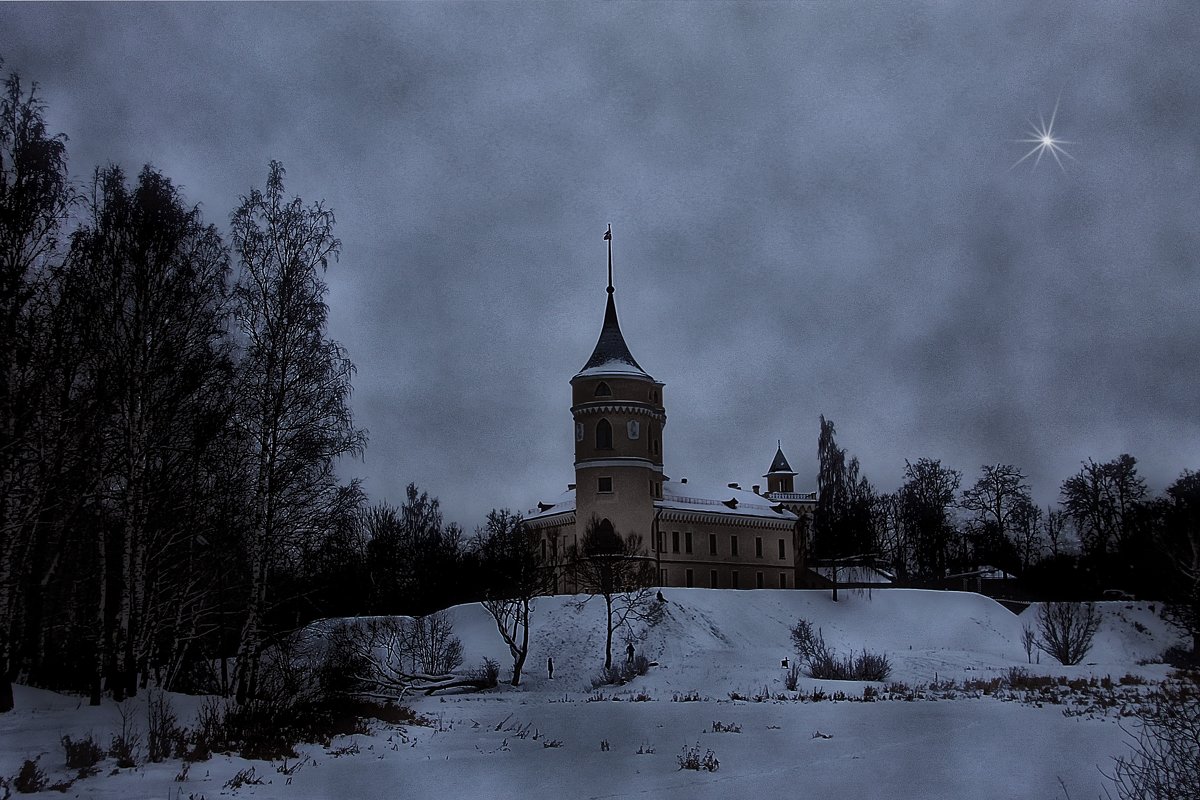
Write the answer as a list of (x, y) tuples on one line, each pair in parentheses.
[(608, 238)]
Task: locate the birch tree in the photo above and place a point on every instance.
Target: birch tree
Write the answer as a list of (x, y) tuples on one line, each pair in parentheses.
[(296, 383), (34, 199), (514, 573)]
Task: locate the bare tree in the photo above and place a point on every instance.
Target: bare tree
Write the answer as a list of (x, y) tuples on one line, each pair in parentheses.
[(296, 382), (1025, 530), (617, 569), (922, 504), (514, 573), (1056, 529), (1103, 500), (996, 496), (1066, 630)]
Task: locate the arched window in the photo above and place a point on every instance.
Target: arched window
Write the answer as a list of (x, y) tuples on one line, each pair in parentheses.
[(603, 390), (603, 435)]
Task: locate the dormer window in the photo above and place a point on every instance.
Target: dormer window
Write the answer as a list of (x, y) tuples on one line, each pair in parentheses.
[(603, 390), (604, 440)]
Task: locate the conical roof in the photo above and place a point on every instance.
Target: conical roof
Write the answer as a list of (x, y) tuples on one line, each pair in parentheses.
[(780, 464), (612, 354)]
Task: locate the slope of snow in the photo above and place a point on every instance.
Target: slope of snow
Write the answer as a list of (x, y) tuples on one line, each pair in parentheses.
[(543, 739)]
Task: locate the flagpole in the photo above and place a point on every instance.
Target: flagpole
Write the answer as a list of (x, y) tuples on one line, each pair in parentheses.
[(609, 238)]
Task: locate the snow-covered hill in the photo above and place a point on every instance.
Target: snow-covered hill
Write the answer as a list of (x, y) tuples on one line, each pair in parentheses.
[(549, 739)]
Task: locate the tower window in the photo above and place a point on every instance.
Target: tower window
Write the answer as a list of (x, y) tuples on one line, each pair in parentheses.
[(603, 435), (654, 447), (687, 541), (603, 390), (712, 544), (733, 548), (604, 485), (782, 552), (758, 548), (674, 541)]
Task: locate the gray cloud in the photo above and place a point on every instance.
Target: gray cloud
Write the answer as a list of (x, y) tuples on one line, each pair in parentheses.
[(813, 207)]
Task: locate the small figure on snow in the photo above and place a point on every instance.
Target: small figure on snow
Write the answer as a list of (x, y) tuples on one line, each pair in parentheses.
[(661, 599), (550, 667), (629, 653)]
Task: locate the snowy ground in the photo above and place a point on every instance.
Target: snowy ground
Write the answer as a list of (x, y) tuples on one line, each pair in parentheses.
[(544, 739)]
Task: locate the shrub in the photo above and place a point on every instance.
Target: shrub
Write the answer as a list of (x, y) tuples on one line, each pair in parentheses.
[(126, 744), (1066, 630), (792, 679), (807, 643), (1165, 758), (690, 758), (82, 755), (435, 649), (486, 675), (164, 736), (866, 666), (30, 778), (824, 663), (622, 673)]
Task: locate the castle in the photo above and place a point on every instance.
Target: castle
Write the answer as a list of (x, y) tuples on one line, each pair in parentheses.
[(698, 536)]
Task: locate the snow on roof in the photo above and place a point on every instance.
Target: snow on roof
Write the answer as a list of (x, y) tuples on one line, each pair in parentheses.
[(612, 367), (712, 500), (559, 505), (685, 497), (854, 574)]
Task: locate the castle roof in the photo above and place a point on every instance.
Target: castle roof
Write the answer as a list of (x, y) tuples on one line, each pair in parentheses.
[(780, 465), (611, 356), (679, 496)]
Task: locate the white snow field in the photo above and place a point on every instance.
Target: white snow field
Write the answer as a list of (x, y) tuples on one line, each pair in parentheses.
[(544, 739)]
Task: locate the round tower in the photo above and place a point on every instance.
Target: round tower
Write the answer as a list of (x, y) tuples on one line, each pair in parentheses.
[(619, 418)]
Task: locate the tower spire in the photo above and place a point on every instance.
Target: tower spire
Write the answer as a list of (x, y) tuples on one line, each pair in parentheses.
[(608, 238)]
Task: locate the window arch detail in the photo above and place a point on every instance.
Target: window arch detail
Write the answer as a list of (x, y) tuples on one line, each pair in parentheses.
[(603, 389), (604, 438)]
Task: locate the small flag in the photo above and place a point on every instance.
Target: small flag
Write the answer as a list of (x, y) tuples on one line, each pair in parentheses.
[(607, 235)]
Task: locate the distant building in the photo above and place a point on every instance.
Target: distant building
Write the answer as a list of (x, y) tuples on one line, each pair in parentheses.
[(720, 537)]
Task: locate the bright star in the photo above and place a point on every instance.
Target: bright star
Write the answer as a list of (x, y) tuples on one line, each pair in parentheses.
[(1044, 140)]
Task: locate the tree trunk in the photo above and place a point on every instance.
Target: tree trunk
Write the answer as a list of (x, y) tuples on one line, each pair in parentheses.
[(519, 661), (608, 637)]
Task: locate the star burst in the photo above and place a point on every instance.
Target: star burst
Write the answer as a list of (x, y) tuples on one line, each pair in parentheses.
[(1044, 141)]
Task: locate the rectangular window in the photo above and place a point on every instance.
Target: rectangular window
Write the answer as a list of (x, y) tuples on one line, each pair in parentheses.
[(543, 549), (605, 486), (782, 551), (758, 547), (661, 549), (687, 578), (733, 579), (712, 578), (662, 577), (783, 580), (674, 541), (758, 579), (712, 544), (688, 541), (733, 551)]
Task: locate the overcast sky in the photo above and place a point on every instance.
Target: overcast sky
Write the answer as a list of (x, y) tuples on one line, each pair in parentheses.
[(814, 209)]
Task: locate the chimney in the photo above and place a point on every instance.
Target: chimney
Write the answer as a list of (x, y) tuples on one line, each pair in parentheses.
[(570, 487), (735, 486), (756, 488), (683, 480)]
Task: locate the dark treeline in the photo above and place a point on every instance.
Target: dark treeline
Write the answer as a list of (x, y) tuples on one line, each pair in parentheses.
[(1108, 532), (172, 411)]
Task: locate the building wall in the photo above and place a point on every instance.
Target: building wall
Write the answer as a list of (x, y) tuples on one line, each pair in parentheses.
[(777, 556)]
